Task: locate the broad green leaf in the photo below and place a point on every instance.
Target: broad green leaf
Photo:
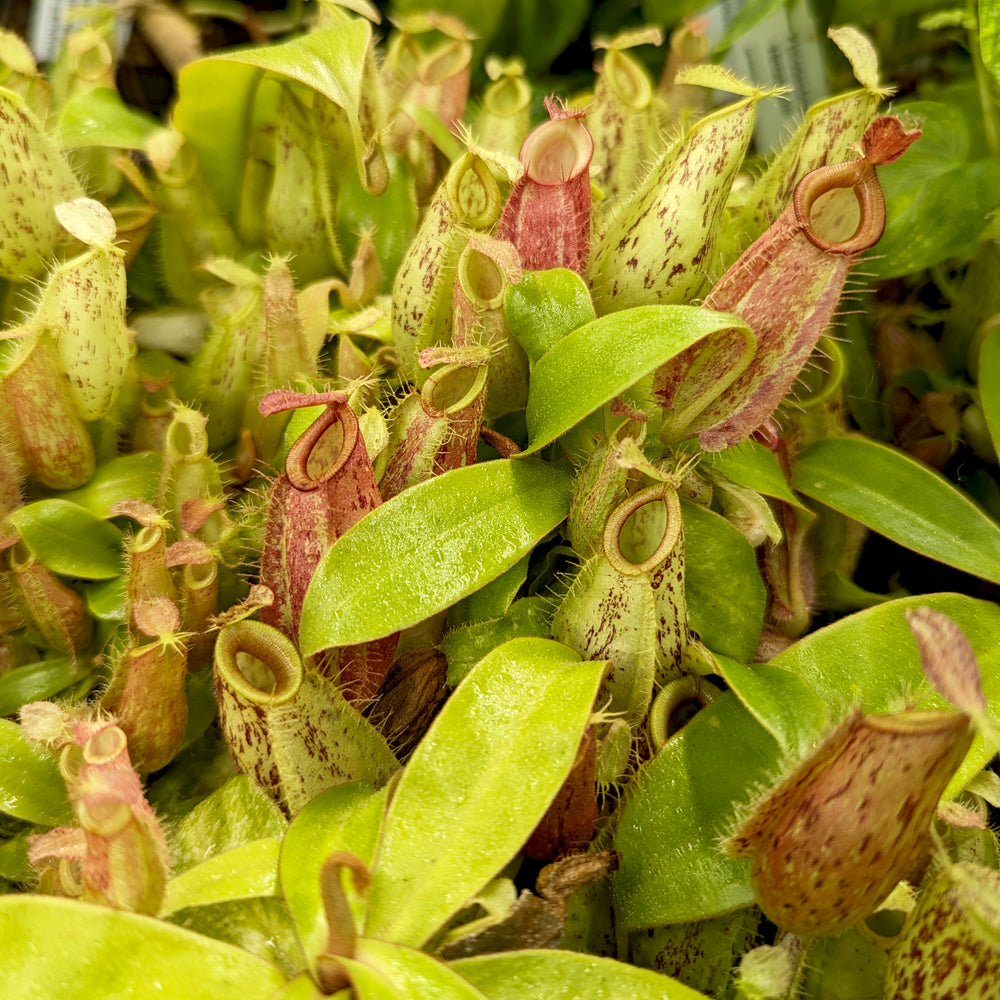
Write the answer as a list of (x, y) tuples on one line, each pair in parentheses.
[(334, 60), (989, 36), (428, 547), (302, 987), (214, 104), (752, 465), (869, 660), (235, 814), (31, 787), (414, 973), (726, 596), (781, 701), (69, 539), (679, 807), (492, 600), (14, 864), (544, 974), (241, 873), (106, 599), (477, 784), (40, 681), (902, 499), (259, 925), (989, 383), (99, 117), (369, 984), (596, 362), (692, 792), (519, 32), (546, 305), (391, 217), (467, 645), (77, 951), (127, 477), (346, 818), (925, 222)]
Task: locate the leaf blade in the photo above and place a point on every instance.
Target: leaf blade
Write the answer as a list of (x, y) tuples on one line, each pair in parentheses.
[(600, 360), (451, 534), (444, 836), (898, 497)]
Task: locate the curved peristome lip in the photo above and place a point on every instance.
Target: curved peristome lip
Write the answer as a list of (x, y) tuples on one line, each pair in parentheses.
[(287, 399), (557, 151)]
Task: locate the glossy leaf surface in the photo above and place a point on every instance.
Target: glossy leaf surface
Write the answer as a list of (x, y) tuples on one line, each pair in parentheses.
[(94, 951), (241, 873), (752, 465), (477, 784), (590, 366), (926, 223), (346, 818), (530, 975), (545, 306), (902, 499), (725, 593), (69, 539), (127, 477), (412, 973), (31, 787), (428, 547), (989, 383), (672, 869)]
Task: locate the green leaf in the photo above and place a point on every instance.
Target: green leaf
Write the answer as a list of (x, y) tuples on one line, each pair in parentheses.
[(750, 14), (127, 477), (234, 814), (989, 383), (781, 701), (989, 36), (70, 540), (692, 792), (99, 117), (902, 499), (345, 818), (679, 806), (492, 600), (391, 217), (546, 305), (14, 864), (77, 951), (726, 596), (333, 60), (40, 681), (869, 660), (926, 223), (259, 925), (596, 362), (106, 599), (465, 646), (752, 465), (518, 33), (31, 787), (241, 873), (543, 974), (413, 973), (428, 547), (214, 106), (477, 784)]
